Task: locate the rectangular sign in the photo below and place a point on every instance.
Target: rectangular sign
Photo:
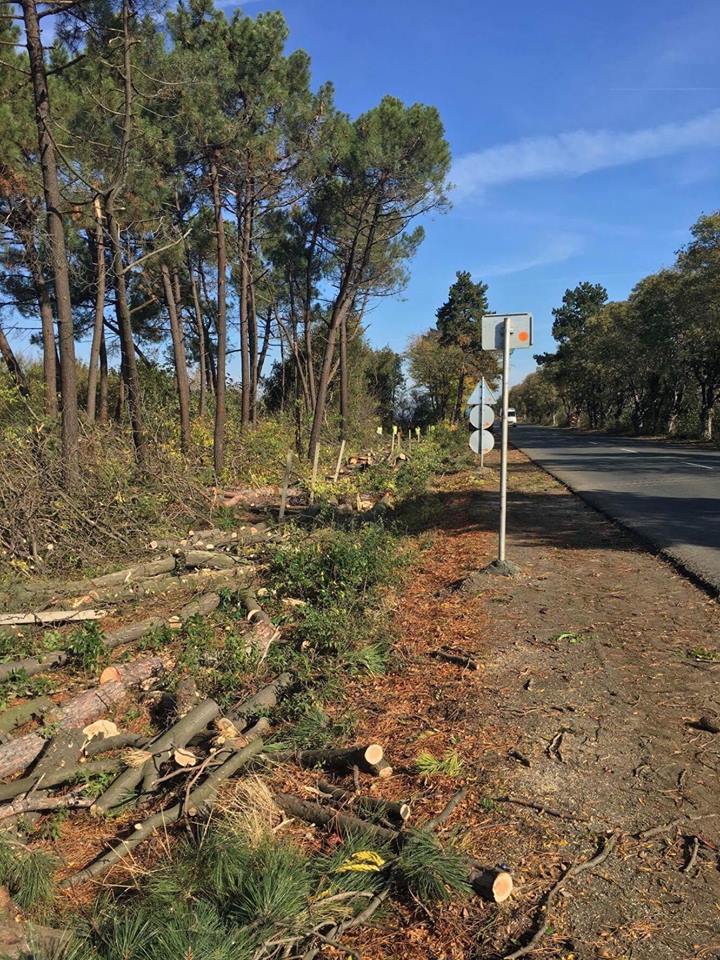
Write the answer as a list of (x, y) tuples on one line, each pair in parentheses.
[(521, 330)]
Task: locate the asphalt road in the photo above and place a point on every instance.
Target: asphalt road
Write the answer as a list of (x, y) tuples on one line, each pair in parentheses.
[(669, 495)]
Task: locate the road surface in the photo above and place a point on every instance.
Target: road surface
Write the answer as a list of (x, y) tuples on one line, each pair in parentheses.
[(669, 495)]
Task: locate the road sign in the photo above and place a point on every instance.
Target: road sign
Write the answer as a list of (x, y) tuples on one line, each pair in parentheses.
[(479, 394), (493, 330), (482, 417), (481, 441)]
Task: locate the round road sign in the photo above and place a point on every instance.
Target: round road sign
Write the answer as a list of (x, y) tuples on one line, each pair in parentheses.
[(481, 436), (483, 416)]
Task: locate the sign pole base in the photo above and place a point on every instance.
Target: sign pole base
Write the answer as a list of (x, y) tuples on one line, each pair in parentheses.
[(502, 568)]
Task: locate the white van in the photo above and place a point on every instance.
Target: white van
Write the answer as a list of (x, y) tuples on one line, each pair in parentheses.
[(512, 416)]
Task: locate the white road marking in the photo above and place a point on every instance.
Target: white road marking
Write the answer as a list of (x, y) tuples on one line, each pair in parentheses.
[(628, 450), (703, 466)]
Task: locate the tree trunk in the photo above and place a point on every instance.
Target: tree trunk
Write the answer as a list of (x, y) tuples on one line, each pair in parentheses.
[(201, 335), (56, 234), (127, 346), (458, 396), (103, 407), (242, 216), (181, 374), (13, 365), (219, 438), (51, 367), (343, 380), (706, 417), (98, 328)]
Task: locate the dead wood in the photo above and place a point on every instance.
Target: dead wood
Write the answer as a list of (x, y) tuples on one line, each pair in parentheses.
[(31, 709), (53, 779), (395, 810), (43, 617), (369, 759), (544, 910), (200, 798), (329, 817), (265, 699), (19, 753), (208, 559), (447, 810), (460, 659), (35, 803), (263, 632), (186, 696), (123, 788)]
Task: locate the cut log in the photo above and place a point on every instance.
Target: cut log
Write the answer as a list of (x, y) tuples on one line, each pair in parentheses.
[(208, 559), (368, 759), (328, 817), (43, 617), (265, 699), (492, 884), (38, 802), (19, 753), (124, 787), (31, 666), (186, 696), (141, 571), (200, 798), (389, 809), (264, 632), (31, 709), (25, 785)]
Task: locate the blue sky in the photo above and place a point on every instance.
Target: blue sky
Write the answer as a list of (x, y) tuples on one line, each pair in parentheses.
[(585, 137)]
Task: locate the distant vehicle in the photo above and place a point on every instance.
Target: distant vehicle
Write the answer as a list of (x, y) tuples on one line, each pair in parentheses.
[(512, 416)]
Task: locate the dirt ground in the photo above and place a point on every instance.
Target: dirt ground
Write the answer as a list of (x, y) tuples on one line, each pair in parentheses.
[(595, 661)]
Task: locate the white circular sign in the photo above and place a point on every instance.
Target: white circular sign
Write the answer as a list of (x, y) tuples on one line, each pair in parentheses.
[(481, 436), (483, 416)]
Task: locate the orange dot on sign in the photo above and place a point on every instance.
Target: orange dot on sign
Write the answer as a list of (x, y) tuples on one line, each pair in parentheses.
[(522, 336)]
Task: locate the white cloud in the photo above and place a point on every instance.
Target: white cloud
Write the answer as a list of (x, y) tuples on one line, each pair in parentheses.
[(579, 152), (555, 250)]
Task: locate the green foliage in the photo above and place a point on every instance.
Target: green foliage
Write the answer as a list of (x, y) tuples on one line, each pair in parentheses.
[(86, 647), (704, 653), (312, 728), (449, 765), (334, 567), (433, 873), (28, 875)]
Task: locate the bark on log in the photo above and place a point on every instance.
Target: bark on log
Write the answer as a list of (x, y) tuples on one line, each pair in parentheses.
[(19, 753), (140, 571), (124, 787), (328, 817), (491, 883), (38, 802), (26, 784), (389, 809), (368, 759), (265, 699), (16, 716), (31, 666), (708, 724), (43, 617), (186, 696), (209, 560), (201, 797)]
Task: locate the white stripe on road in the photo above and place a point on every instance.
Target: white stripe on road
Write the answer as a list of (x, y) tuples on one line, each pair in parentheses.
[(703, 466), (628, 450)]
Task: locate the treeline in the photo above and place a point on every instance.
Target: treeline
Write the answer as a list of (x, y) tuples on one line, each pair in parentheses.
[(177, 181), (650, 363)]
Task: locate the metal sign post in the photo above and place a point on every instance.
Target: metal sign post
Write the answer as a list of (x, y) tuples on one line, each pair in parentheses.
[(504, 443), (505, 332)]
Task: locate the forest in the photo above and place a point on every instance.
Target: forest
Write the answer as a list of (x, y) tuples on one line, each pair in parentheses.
[(649, 364), (176, 196)]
